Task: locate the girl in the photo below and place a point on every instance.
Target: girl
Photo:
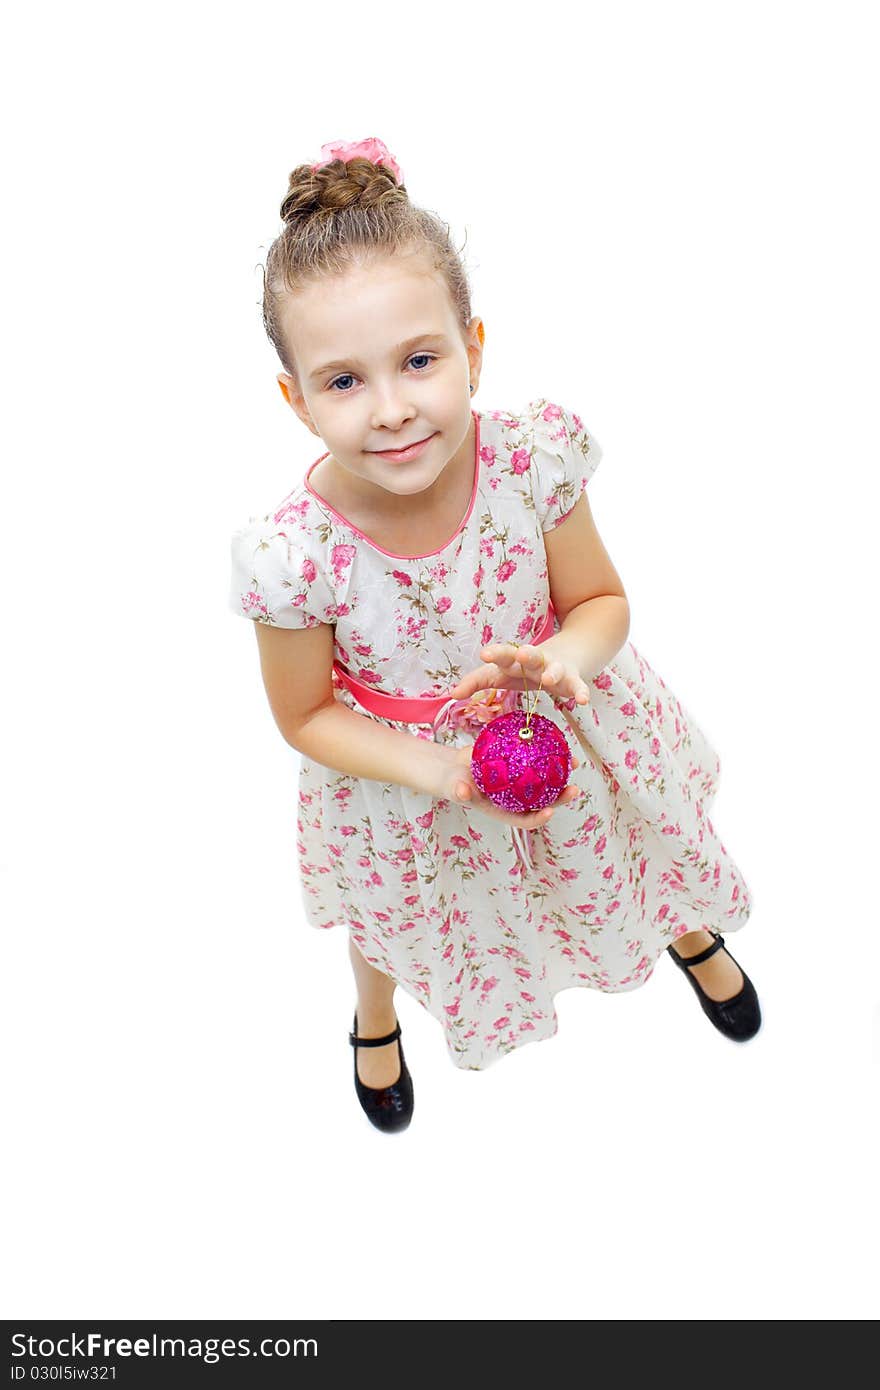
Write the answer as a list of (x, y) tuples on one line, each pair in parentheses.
[(435, 563)]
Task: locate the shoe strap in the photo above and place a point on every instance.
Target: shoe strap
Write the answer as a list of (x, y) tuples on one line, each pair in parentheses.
[(374, 1042), (688, 961)]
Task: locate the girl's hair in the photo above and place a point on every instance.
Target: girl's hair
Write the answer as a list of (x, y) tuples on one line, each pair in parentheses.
[(345, 214)]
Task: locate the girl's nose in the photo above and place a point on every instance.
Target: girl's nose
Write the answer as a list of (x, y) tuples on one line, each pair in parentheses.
[(391, 413)]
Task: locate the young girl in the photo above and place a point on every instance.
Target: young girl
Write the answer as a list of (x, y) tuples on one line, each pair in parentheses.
[(436, 563)]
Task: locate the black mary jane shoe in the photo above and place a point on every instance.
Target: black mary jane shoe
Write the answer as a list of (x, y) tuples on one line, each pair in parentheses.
[(738, 1018), (387, 1107)]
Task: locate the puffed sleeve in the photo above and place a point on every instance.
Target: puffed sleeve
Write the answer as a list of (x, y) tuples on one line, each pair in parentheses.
[(564, 458), (274, 578)]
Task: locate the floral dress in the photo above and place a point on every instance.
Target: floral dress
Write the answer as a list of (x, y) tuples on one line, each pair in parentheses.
[(442, 898)]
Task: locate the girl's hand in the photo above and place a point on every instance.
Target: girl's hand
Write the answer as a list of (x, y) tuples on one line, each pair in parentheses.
[(458, 785), (509, 667)]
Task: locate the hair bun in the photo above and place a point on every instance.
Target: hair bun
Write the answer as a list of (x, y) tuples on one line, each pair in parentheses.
[(338, 185)]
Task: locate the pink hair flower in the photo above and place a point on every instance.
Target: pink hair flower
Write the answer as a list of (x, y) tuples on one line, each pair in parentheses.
[(371, 148)]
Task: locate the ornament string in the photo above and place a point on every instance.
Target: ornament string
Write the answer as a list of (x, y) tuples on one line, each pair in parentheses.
[(526, 731)]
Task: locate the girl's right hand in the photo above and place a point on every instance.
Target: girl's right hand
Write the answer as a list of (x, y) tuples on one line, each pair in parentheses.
[(460, 787)]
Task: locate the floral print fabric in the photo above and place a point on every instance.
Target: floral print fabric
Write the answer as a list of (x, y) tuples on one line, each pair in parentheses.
[(437, 896)]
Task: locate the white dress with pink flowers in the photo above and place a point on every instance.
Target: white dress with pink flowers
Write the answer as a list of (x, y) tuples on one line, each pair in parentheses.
[(444, 899)]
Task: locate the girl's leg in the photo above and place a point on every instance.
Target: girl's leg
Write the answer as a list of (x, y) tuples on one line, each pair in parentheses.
[(376, 1066), (719, 977)]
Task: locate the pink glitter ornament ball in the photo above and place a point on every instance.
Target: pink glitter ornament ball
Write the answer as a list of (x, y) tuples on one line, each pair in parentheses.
[(521, 762)]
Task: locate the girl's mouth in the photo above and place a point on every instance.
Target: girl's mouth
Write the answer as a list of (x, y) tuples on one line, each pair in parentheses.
[(403, 455)]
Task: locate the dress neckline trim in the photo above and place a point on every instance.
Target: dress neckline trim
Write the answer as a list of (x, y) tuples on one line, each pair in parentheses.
[(390, 553)]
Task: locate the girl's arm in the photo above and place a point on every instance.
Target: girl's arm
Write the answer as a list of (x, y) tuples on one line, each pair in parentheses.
[(296, 665), (338, 737), (587, 592), (590, 635)]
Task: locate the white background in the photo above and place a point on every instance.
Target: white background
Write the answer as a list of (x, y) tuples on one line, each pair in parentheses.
[(671, 229)]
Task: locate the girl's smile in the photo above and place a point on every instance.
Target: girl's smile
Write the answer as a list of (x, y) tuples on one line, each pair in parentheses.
[(404, 455)]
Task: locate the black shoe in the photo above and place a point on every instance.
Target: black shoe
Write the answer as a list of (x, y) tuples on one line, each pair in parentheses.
[(738, 1018), (388, 1107)]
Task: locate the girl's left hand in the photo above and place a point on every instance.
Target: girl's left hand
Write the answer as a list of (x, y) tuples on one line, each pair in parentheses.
[(509, 667)]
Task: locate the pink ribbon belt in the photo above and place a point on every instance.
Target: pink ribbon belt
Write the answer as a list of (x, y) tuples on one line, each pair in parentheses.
[(438, 710)]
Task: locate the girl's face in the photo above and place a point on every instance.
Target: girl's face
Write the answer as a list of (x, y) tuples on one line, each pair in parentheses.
[(381, 364)]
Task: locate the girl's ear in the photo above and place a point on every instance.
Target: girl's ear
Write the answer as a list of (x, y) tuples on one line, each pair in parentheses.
[(291, 393), (475, 354), (289, 389)]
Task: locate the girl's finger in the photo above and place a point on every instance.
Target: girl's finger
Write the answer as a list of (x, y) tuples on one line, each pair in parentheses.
[(502, 655), (475, 680), (525, 655)]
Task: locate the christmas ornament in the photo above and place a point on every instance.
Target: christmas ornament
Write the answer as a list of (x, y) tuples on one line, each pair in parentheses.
[(521, 761)]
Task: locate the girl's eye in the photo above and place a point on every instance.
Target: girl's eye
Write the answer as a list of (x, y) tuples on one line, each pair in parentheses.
[(427, 357)]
